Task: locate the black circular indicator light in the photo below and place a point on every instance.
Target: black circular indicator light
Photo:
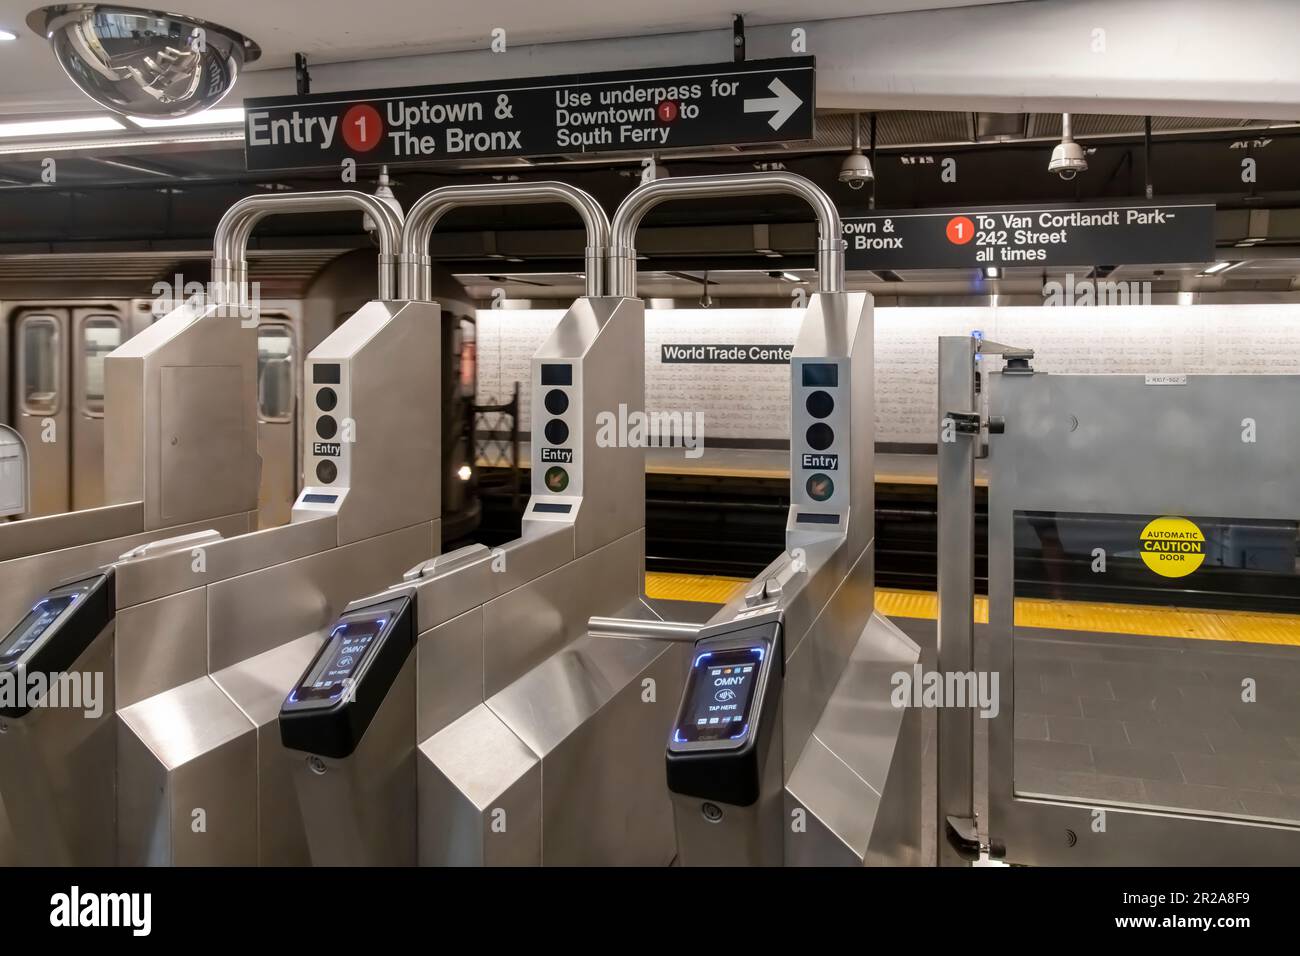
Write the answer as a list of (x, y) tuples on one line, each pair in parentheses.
[(820, 404), (326, 399), (326, 426), (557, 433), (820, 487), (557, 479), (327, 471), (557, 403), (820, 436)]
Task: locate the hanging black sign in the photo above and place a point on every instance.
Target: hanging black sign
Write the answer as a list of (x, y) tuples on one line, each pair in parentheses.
[(1030, 236), (761, 101)]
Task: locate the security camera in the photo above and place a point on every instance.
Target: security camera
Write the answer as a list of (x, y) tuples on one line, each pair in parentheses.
[(856, 170), (1068, 159)]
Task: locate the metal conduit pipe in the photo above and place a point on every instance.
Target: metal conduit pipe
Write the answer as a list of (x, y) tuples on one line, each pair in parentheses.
[(628, 216), (230, 244), (414, 272)]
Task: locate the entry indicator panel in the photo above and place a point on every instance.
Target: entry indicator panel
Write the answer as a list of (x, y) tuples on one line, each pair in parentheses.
[(556, 434), (328, 436), (820, 440)]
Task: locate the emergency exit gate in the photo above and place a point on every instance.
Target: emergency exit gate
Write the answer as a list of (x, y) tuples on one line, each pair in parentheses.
[(1176, 491)]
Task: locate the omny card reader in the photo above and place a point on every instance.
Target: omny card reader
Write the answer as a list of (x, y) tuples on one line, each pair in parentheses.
[(718, 748), (54, 635), (330, 708)]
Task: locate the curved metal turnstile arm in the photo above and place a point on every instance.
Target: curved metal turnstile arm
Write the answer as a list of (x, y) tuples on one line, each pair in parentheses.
[(415, 280), (830, 244), (230, 244)]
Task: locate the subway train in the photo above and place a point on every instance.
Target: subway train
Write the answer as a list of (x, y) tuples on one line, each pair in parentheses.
[(52, 354)]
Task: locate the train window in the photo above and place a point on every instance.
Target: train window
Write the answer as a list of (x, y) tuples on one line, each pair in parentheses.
[(100, 334), (275, 373), (39, 351)]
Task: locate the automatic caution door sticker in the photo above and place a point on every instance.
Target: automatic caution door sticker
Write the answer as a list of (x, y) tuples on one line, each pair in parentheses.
[(1172, 547)]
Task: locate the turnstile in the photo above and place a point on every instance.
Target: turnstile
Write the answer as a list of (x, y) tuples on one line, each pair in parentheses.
[(787, 747), (190, 611), (497, 692), (181, 421)]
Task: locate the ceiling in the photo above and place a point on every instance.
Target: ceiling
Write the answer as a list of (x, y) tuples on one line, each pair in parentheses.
[(340, 31)]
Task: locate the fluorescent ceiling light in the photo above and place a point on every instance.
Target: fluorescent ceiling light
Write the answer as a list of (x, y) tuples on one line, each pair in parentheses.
[(1219, 267), (790, 277), (991, 272), (233, 116), (86, 124), (6, 35)]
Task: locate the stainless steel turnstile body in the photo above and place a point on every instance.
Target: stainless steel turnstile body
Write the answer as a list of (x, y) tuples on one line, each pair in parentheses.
[(189, 653), (522, 721), (840, 765)]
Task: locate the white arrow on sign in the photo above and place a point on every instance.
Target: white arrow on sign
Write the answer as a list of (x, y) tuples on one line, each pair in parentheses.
[(782, 105)]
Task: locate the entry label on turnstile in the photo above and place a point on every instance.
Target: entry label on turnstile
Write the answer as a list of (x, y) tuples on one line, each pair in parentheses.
[(721, 104)]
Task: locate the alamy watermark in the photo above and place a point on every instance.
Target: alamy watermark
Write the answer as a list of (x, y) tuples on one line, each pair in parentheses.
[(169, 296), (1070, 292), (639, 429), (75, 690), (922, 688)]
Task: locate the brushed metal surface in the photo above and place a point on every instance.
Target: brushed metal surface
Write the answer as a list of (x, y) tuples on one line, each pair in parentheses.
[(54, 532), (849, 762), (361, 811), (146, 579), (252, 613), (533, 622), (449, 672), (199, 425), (604, 802), (480, 795), (187, 780), (22, 580), (56, 775), (161, 644), (141, 378), (258, 686)]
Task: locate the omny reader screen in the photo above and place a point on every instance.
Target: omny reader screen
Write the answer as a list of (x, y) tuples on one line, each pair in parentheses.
[(31, 627), (720, 695), (347, 646)]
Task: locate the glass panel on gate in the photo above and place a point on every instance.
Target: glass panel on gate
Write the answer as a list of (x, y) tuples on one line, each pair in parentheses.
[(1157, 662)]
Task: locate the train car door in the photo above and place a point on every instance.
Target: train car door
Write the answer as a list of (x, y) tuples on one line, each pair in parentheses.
[(277, 436), (96, 332), (41, 345)]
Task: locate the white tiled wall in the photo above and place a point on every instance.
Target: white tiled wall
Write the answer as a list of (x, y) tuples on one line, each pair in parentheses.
[(750, 401)]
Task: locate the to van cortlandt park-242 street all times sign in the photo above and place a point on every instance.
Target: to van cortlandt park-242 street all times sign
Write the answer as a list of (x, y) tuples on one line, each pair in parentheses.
[(759, 101), (1055, 235)]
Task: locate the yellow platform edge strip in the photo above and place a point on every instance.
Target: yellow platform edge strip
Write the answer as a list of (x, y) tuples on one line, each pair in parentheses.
[(1198, 623)]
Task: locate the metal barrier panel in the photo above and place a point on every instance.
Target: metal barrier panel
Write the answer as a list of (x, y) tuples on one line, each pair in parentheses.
[(1144, 616)]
